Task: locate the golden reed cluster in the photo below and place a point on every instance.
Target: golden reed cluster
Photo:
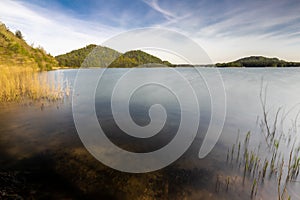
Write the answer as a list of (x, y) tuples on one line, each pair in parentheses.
[(21, 83)]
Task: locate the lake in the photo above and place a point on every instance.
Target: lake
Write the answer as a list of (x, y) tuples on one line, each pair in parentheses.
[(42, 155)]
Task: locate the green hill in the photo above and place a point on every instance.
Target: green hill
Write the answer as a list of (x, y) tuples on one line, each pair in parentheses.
[(136, 58), (259, 61), (14, 51), (98, 56)]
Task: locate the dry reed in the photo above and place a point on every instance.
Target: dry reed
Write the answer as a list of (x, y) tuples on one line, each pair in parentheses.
[(19, 83)]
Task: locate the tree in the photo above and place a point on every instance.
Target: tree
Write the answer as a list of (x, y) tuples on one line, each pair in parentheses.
[(19, 34)]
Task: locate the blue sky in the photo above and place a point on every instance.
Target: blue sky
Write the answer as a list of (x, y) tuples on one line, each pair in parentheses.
[(225, 29)]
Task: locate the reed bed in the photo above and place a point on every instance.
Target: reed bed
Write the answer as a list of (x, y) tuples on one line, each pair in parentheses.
[(21, 83)]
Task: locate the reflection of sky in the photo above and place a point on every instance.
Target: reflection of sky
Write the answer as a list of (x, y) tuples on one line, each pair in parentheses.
[(225, 29), (244, 111), (242, 90)]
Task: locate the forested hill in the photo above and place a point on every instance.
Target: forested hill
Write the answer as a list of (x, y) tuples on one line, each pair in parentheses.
[(14, 51), (259, 61), (98, 56), (137, 58)]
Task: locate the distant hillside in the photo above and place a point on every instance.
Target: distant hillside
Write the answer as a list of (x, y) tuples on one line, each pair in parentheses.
[(259, 61), (100, 57), (136, 58), (14, 51)]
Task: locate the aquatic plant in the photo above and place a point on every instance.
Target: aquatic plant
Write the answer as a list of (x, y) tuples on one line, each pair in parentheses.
[(218, 184), (19, 83), (266, 123), (254, 188), (232, 152), (227, 183), (279, 181), (227, 159), (266, 163), (238, 154), (278, 145)]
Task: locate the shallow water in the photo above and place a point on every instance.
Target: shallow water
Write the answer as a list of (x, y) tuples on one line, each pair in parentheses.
[(40, 145)]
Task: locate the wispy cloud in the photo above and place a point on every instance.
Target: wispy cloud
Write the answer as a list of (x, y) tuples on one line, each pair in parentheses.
[(154, 4), (255, 19), (233, 29), (56, 32), (226, 29)]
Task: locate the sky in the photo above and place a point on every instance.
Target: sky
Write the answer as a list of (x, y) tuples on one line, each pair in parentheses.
[(225, 29)]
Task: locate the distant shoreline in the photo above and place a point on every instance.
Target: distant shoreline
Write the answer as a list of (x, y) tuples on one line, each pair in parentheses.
[(189, 66)]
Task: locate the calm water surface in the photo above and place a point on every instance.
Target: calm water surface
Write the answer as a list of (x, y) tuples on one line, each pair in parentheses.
[(42, 156)]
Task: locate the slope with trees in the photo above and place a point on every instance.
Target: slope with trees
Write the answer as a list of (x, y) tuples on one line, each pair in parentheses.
[(137, 58), (14, 51), (98, 56), (92, 55), (259, 61)]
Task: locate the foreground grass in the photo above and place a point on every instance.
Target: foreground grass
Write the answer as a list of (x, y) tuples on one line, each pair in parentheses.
[(19, 83)]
